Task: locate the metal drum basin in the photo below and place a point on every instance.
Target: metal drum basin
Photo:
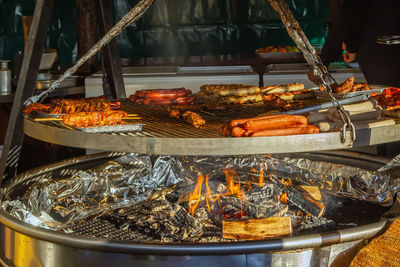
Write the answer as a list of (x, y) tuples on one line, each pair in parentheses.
[(24, 245)]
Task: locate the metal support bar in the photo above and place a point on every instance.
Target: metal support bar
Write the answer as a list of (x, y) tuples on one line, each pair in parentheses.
[(25, 88), (112, 62)]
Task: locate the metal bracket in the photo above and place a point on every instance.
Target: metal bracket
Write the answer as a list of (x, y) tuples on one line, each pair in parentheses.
[(25, 88), (111, 58)]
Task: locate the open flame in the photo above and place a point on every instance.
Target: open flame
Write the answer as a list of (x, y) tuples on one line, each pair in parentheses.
[(283, 198), (232, 189), (195, 195)]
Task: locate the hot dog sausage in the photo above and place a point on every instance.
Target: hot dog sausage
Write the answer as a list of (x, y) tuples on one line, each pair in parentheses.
[(163, 93), (275, 123), (163, 102), (309, 129), (241, 122), (237, 131)]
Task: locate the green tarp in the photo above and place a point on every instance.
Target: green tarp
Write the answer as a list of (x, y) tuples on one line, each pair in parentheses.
[(173, 27)]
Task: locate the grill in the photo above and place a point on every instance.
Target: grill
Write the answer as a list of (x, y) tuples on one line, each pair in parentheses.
[(99, 240), (163, 135), (158, 124)]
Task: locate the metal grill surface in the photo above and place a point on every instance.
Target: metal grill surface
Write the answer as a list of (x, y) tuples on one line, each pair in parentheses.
[(158, 123)]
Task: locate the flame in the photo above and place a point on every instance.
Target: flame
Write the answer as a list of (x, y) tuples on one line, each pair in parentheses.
[(209, 196), (195, 195), (283, 198), (287, 182), (232, 189), (299, 213), (261, 178)]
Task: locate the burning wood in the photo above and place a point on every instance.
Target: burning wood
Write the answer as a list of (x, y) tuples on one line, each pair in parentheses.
[(304, 203), (310, 191), (256, 229)]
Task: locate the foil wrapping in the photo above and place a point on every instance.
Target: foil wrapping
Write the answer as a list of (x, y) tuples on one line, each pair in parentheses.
[(132, 178)]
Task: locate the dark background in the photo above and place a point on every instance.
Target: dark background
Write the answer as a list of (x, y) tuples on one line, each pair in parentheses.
[(172, 27)]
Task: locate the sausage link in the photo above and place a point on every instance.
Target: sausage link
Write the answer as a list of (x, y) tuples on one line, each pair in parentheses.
[(241, 122), (309, 129), (237, 131), (275, 123)]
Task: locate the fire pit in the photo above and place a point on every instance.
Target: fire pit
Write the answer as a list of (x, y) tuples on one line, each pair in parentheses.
[(132, 209)]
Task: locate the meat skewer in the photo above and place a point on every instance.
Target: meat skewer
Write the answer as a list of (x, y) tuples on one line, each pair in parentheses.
[(87, 119), (68, 106)]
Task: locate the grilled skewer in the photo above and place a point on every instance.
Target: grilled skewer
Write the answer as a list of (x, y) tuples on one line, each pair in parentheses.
[(68, 106), (86, 119)]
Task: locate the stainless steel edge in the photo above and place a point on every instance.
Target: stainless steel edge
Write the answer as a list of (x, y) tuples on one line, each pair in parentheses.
[(300, 242), (365, 231), (208, 146), (100, 244)]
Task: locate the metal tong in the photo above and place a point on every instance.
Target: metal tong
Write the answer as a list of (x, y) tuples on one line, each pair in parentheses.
[(327, 81)]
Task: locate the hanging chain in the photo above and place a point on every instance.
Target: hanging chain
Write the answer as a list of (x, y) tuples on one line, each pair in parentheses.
[(327, 81)]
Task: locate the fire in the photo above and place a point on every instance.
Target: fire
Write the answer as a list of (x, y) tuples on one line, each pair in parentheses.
[(209, 196), (287, 182), (283, 198), (195, 195), (299, 213), (232, 189), (261, 178)]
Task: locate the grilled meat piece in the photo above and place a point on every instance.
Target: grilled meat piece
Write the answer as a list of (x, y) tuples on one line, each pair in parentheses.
[(174, 113), (345, 87), (87, 119), (193, 118), (68, 106), (36, 107)]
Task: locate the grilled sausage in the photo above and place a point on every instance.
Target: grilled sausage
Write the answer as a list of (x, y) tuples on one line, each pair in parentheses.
[(163, 93), (309, 129), (241, 122), (280, 122), (237, 131)]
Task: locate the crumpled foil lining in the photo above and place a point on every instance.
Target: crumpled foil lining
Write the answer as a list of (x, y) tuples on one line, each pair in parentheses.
[(132, 178)]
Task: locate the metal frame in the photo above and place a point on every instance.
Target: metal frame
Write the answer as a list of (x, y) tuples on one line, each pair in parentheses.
[(30, 67), (212, 144), (307, 241)]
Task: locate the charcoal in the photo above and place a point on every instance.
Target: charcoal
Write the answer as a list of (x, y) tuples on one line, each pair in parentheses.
[(311, 224), (266, 209)]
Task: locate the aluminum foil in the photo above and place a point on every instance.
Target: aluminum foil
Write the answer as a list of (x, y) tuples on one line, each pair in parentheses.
[(132, 178), (116, 184)]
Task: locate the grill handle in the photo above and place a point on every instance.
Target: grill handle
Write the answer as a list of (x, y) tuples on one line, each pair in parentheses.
[(327, 105)]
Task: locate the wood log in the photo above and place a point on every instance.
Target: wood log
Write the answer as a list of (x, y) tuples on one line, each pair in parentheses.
[(311, 191), (259, 210), (256, 229), (304, 203)]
